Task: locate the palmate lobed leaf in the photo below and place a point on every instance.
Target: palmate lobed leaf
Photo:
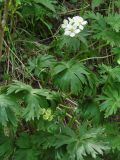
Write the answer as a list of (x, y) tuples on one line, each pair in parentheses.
[(34, 104), (110, 100), (113, 137), (90, 110), (6, 146), (70, 76), (17, 87), (81, 144), (26, 154), (109, 36), (41, 64), (105, 29), (9, 109), (23, 141), (114, 142), (110, 76), (34, 99), (27, 147), (114, 21), (72, 44)]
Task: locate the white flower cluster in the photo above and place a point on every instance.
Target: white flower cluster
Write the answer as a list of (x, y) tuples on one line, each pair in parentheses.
[(73, 26)]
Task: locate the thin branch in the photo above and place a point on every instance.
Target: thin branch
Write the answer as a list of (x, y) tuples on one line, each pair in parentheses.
[(5, 12), (72, 11), (0, 18), (3, 20), (68, 115), (22, 64), (71, 102), (91, 58)]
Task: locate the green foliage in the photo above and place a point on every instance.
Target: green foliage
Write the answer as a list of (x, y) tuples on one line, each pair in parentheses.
[(70, 76), (60, 95), (90, 110), (114, 21), (72, 44), (110, 74), (85, 142), (26, 149), (96, 3), (6, 146), (111, 101), (110, 37), (48, 4), (110, 96), (113, 137), (38, 12), (8, 110), (35, 99), (103, 31), (41, 65)]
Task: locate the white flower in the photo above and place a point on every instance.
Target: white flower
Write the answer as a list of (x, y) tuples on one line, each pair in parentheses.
[(79, 21), (78, 26), (78, 18), (65, 23), (73, 26), (71, 20), (71, 31), (81, 27), (84, 23)]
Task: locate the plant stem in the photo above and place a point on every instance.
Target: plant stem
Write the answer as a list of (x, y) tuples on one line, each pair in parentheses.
[(91, 58), (1, 34), (3, 20)]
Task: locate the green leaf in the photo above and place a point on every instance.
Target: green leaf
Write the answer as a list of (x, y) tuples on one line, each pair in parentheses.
[(85, 142), (96, 3), (72, 44), (25, 148), (26, 154), (70, 76), (41, 64), (34, 104), (47, 3), (113, 137), (110, 100), (114, 21), (23, 141), (17, 87), (109, 36), (6, 146), (9, 109), (89, 110), (34, 99), (103, 31), (109, 74)]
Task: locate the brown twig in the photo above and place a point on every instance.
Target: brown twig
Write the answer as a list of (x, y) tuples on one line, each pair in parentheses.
[(22, 64), (3, 21)]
